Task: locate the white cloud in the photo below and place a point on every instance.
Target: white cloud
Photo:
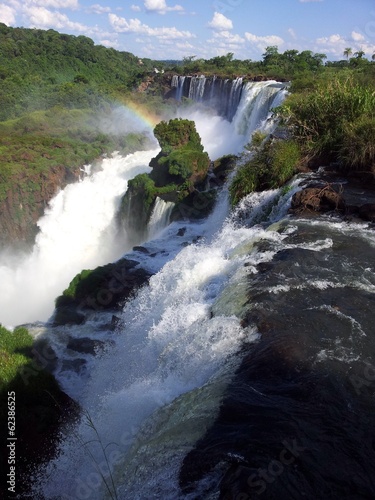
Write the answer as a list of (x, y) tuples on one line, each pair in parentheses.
[(39, 17), (227, 38), (7, 15), (261, 42), (292, 33), (121, 25), (220, 22), (184, 45), (56, 4), (357, 37), (160, 6), (333, 44), (98, 9), (109, 43), (136, 8)]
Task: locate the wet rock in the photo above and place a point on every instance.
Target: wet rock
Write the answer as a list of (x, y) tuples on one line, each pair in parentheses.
[(85, 345), (74, 365), (104, 288), (140, 249), (317, 199), (68, 316), (181, 231), (367, 212), (45, 355)]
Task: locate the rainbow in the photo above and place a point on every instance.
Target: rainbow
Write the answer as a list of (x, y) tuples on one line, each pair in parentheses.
[(139, 111)]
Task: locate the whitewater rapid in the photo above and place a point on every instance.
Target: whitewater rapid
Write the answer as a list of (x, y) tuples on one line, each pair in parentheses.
[(78, 231)]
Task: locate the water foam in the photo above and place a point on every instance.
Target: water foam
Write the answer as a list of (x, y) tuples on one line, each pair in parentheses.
[(78, 231)]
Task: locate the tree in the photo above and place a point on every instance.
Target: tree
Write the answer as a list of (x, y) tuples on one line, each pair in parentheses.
[(271, 55), (347, 52), (359, 54), (373, 56)]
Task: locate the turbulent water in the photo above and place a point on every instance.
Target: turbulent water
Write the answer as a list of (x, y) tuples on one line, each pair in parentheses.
[(78, 231), (254, 331)]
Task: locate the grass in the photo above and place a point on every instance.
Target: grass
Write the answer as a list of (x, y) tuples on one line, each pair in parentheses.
[(270, 167), (15, 349), (331, 121)]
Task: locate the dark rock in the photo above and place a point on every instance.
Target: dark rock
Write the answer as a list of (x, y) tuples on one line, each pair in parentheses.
[(317, 199), (197, 205), (73, 365), (45, 355), (140, 249), (104, 288), (85, 345), (68, 316), (181, 231), (367, 212)]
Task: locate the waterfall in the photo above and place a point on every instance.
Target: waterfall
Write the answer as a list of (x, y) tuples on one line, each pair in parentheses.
[(160, 217), (258, 99), (173, 366), (229, 98), (222, 95), (78, 231)]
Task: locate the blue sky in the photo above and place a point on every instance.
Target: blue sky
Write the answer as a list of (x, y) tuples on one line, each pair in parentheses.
[(169, 29)]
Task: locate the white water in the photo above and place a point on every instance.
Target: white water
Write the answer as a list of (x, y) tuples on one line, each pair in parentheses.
[(159, 218), (78, 231), (169, 356), (220, 136), (166, 346)]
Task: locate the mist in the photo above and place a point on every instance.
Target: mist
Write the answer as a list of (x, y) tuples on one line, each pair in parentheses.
[(78, 231)]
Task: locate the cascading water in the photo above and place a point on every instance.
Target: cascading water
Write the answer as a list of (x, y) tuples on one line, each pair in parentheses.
[(168, 355), (78, 231), (160, 217), (258, 99), (159, 386), (222, 95), (250, 106)]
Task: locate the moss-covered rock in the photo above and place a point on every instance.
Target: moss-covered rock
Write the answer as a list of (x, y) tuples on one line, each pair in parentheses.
[(180, 166), (39, 405), (106, 287)]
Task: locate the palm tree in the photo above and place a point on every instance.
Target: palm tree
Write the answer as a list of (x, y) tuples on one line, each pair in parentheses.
[(359, 54), (348, 52)]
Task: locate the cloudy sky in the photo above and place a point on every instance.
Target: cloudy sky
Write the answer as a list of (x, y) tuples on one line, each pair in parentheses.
[(169, 29)]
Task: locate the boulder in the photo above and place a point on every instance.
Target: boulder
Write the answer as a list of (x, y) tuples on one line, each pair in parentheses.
[(317, 199), (367, 212)]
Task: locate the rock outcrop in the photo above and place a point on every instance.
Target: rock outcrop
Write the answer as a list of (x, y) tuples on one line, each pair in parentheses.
[(20, 211)]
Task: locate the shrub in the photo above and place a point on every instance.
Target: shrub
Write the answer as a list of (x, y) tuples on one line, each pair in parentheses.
[(285, 156), (269, 168), (358, 145), (14, 347), (322, 119)]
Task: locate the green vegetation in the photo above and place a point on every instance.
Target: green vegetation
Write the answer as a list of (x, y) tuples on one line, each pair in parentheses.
[(181, 159), (19, 369), (286, 66), (334, 121), (40, 69), (32, 146), (176, 170), (270, 167), (14, 350)]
